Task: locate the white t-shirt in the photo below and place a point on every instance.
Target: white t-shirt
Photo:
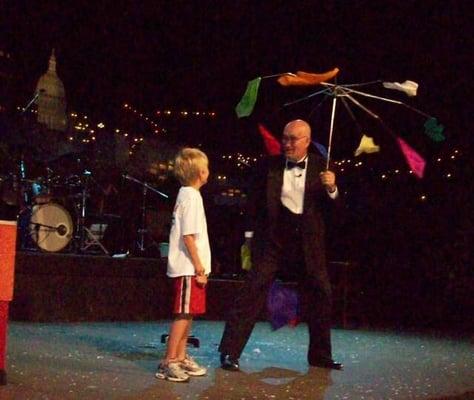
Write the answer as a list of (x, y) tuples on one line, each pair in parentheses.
[(189, 218)]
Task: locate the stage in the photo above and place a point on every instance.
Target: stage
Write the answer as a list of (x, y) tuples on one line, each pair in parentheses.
[(66, 341), (118, 360), (60, 287)]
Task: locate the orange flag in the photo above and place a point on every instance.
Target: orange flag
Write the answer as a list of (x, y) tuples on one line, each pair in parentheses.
[(307, 78)]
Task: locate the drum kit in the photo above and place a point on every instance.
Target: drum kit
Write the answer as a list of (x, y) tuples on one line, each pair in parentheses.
[(47, 205), (52, 192), (53, 211)]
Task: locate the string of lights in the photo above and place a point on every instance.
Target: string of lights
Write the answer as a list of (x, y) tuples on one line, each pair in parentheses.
[(156, 128), (84, 124)]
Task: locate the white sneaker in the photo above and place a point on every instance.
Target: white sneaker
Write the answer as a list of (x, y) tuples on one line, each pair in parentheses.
[(191, 367), (172, 372)]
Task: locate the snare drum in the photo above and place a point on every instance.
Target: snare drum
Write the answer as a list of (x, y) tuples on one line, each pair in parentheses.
[(51, 227)]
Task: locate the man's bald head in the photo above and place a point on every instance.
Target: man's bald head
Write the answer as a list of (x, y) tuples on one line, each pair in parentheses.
[(298, 126), (296, 139)]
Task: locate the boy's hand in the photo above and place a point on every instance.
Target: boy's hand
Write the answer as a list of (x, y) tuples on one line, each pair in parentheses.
[(201, 280), (199, 270)]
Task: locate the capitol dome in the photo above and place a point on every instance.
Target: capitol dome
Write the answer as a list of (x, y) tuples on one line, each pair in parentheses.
[(51, 98)]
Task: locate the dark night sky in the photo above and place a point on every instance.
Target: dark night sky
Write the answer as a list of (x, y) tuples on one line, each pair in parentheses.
[(201, 53)]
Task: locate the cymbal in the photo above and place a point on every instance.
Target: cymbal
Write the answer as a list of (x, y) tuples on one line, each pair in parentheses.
[(47, 150)]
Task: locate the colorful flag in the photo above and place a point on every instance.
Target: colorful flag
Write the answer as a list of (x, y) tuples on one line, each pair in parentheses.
[(272, 145), (434, 130), (245, 257), (282, 305), (321, 149), (306, 78), (409, 87), (366, 145), (414, 160), (248, 100)]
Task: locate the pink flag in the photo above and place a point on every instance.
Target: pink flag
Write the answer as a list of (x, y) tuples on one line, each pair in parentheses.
[(271, 144), (414, 160)]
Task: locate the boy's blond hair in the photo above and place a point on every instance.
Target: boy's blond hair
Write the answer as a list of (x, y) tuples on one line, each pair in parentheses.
[(188, 164)]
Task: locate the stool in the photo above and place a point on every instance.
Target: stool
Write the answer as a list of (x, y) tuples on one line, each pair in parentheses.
[(193, 340), (94, 235)]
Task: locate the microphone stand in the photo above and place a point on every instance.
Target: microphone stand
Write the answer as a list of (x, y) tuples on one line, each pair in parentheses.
[(39, 227), (81, 207), (26, 108), (22, 168), (142, 230), (25, 206)]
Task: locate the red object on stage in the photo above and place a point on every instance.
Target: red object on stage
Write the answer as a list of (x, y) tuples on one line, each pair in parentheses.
[(7, 271), (3, 332)]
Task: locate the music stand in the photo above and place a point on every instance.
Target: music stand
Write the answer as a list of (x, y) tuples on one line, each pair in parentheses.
[(142, 230)]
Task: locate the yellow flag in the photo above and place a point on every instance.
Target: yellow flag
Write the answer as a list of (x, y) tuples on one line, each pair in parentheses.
[(366, 145)]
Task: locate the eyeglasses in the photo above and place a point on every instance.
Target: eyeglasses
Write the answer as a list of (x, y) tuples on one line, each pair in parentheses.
[(291, 139)]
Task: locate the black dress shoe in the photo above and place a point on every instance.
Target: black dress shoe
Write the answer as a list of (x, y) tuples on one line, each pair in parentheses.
[(229, 363), (330, 364)]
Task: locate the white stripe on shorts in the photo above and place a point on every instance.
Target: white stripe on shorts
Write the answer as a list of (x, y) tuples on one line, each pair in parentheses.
[(186, 294)]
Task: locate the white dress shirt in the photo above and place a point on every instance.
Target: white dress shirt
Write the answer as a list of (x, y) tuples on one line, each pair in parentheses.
[(292, 190)]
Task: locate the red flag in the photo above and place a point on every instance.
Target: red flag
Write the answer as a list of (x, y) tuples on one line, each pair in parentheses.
[(272, 145), (414, 160)]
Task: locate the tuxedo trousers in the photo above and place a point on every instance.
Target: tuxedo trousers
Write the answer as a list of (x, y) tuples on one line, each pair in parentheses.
[(283, 256)]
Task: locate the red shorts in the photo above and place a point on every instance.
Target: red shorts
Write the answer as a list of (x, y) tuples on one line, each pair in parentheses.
[(189, 297)]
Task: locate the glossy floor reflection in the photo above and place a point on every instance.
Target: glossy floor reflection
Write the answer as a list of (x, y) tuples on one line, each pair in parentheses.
[(117, 361)]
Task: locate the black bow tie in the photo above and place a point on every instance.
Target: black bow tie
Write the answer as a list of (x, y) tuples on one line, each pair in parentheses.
[(292, 164)]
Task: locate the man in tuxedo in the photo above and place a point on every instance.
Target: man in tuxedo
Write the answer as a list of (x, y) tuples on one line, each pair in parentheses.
[(287, 206)]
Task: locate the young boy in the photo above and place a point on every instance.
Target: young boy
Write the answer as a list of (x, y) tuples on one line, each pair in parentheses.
[(189, 264)]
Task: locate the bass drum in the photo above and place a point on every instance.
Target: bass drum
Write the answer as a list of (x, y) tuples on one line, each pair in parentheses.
[(51, 227)]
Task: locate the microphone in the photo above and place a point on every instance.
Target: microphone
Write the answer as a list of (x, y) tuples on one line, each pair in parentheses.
[(130, 178), (61, 229)]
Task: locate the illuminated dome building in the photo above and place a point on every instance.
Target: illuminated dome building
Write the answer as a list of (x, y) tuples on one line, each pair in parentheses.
[(51, 99)]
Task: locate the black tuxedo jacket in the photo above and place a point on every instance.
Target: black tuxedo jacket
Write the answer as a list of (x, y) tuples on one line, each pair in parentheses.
[(264, 206)]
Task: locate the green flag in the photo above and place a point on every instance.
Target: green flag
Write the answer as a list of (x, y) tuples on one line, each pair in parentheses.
[(434, 130), (248, 100)]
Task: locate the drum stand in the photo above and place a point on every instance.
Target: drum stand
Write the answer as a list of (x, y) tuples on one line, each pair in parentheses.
[(142, 231)]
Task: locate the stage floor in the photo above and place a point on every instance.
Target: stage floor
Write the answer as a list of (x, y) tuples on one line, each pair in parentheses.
[(118, 360)]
